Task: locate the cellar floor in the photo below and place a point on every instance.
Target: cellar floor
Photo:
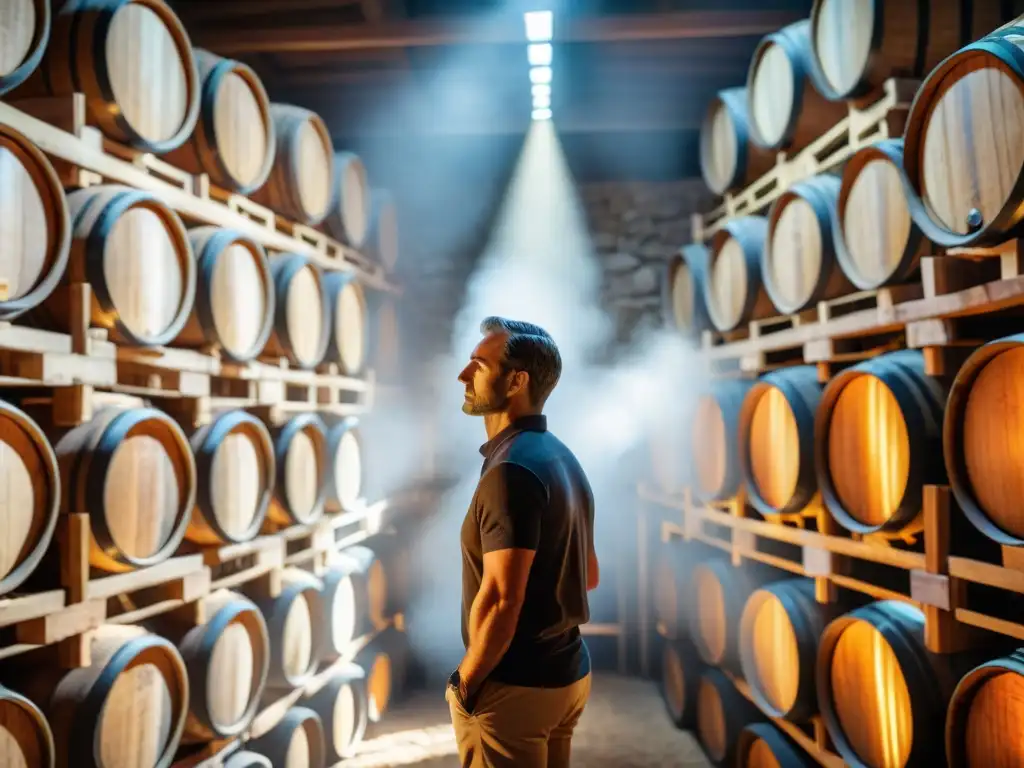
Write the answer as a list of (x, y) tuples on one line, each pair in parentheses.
[(624, 726)]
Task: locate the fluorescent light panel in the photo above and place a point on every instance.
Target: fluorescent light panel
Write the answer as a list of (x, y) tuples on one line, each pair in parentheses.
[(541, 102), (540, 75), (539, 26), (539, 54), (541, 89), (542, 114)]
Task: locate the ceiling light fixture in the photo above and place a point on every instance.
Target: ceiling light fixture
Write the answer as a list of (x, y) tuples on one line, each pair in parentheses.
[(539, 26)]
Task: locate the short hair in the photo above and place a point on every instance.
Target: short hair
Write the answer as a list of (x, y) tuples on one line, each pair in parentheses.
[(528, 348)]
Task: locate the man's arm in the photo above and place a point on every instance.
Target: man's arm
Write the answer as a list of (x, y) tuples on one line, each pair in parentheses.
[(593, 567)]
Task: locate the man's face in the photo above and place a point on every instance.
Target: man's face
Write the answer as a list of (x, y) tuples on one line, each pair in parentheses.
[(486, 384)]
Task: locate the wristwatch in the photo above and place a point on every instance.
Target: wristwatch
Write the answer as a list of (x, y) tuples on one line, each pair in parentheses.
[(455, 683)]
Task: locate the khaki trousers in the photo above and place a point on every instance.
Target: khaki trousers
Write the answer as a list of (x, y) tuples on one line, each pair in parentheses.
[(516, 727)]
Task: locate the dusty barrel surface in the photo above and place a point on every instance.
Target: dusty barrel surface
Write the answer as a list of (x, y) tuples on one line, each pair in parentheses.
[(762, 745), (962, 191), (294, 621), (302, 175), (132, 471), (733, 289), (682, 290), (722, 713), (798, 264), (348, 334), (300, 458), (349, 218), (983, 712), (714, 440), (857, 45), (25, 737), (786, 109), (26, 25), (729, 159), (382, 237), (135, 64), (776, 440), (341, 706), (878, 439), (876, 241), (234, 298), (234, 138), (681, 669), (344, 482), (135, 254), (301, 312), (719, 592), (297, 740)]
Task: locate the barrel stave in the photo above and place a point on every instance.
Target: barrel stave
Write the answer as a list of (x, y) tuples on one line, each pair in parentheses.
[(734, 290)]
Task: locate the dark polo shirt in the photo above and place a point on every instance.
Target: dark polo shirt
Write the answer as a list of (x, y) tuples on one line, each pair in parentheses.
[(533, 494)]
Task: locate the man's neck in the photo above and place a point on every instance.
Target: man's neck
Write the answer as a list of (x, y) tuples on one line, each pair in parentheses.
[(494, 423)]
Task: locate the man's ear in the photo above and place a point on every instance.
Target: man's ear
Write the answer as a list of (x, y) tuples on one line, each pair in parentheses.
[(519, 382)]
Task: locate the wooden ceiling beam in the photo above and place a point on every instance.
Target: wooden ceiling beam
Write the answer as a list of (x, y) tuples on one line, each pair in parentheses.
[(205, 11)]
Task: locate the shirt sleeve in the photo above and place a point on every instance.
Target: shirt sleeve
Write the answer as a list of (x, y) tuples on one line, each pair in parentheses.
[(512, 501)]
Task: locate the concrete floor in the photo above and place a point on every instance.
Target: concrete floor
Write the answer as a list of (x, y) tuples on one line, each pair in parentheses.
[(624, 726)]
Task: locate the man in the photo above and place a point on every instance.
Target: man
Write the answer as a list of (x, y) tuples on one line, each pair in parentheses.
[(528, 561)]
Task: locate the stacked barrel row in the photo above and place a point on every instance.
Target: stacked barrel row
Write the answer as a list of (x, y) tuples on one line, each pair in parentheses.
[(148, 88), (173, 681), (860, 667)]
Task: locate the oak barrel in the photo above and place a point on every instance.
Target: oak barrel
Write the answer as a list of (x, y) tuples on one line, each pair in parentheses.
[(234, 300), (135, 254), (25, 737), (301, 312), (681, 669), (371, 583), (235, 471), (778, 644), (682, 291), (776, 440), (302, 175), (729, 159), (878, 439), (962, 162), (296, 741), (349, 218), (94, 711), (384, 662), (294, 620), (132, 471), (344, 600), (134, 62), (247, 759), (798, 264), (733, 290), (881, 693), (762, 745), (32, 496), (722, 713), (983, 712), (344, 483), (341, 706), (26, 25), (300, 459), (382, 236), (786, 108), (348, 335), (673, 572), (858, 45), (35, 226), (981, 439), (876, 241), (234, 138), (714, 440), (718, 593)]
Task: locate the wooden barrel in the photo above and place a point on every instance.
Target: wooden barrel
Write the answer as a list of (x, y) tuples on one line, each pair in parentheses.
[(963, 191), (384, 662), (786, 108), (981, 441), (34, 221), (762, 745), (227, 659), (371, 584), (382, 235), (876, 241), (344, 487), (344, 600), (673, 572), (234, 300), (878, 439), (857, 46), (715, 440), (348, 337), (26, 25), (25, 737), (301, 312), (718, 593), (31, 481), (799, 265), (341, 707), (778, 643), (881, 693), (135, 253), (132, 471), (94, 711), (681, 669), (300, 458), (682, 291), (776, 440), (234, 139), (297, 740), (302, 175), (247, 760), (294, 620), (235, 470), (385, 335), (349, 217), (133, 61), (733, 290), (985, 703), (728, 157), (722, 713)]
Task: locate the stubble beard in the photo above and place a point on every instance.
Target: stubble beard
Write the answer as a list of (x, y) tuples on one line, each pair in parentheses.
[(475, 407)]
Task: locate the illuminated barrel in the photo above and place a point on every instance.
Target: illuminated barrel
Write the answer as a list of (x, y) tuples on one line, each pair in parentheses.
[(776, 440), (715, 440), (733, 291), (382, 237), (301, 312), (295, 627), (300, 459), (348, 333), (345, 464), (729, 159), (722, 714), (673, 571), (25, 737), (876, 241), (384, 660), (371, 584), (297, 740), (349, 218), (983, 712), (762, 745), (26, 25), (681, 669), (682, 291), (878, 439), (719, 591), (341, 705)]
